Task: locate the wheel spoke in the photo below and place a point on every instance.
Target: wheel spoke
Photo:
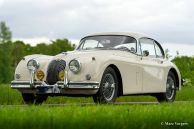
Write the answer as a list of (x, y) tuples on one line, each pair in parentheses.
[(170, 88), (108, 86)]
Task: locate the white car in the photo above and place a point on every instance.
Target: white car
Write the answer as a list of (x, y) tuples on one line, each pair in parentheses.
[(105, 66)]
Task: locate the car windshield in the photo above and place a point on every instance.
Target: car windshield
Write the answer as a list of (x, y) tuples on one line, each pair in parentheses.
[(125, 43)]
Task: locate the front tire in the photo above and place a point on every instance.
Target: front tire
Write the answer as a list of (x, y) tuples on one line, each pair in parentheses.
[(40, 99), (108, 88), (31, 98), (170, 94), (28, 98)]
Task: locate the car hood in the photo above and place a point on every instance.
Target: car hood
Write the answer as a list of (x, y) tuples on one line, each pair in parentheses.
[(85, 53)]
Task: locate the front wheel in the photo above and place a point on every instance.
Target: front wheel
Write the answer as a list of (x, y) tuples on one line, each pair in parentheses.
[(28, 98), (108, 87), (31, 98), (170, 94), (40, 99)]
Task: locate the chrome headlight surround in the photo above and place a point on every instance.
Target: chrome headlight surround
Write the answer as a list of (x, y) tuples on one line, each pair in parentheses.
[(32, 65), (75, 66)]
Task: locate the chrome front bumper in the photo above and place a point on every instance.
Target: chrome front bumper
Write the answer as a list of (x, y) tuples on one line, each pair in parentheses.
[(59, 88)]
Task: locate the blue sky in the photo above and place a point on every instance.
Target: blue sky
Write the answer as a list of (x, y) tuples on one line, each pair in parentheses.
[(171, 22)]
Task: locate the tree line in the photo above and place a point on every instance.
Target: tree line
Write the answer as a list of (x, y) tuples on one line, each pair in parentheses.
[(11, 52), (186, 67)]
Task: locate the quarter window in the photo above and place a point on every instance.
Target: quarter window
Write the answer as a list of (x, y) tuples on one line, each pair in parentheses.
[(147, 47)]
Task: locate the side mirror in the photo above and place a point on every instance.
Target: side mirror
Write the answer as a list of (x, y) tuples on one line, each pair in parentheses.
[(132, 50), (145, 53)]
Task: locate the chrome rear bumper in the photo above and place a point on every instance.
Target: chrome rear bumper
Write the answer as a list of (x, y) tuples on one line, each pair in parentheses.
[(60, 87)]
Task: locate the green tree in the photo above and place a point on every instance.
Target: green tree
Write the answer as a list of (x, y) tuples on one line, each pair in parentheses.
[(60, 45), (5, 54), (186, 67), (57, 46), (18, 52), (5, 33)]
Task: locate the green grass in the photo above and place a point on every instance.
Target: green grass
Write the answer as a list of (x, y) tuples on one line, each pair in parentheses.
[(80, 116), (9, 96), (98, 116), (12, 96)]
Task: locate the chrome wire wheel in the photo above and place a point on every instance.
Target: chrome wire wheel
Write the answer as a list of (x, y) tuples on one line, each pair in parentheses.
[(108, 90), (170, 88), (108, 87), (170, 94)]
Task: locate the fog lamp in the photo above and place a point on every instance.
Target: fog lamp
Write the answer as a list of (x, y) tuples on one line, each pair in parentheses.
[(61, 75), (40, 75)]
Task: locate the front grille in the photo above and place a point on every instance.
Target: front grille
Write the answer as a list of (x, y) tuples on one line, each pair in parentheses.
[(53, 70)]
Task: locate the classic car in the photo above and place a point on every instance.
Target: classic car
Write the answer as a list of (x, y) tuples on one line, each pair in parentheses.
[(104, 66)]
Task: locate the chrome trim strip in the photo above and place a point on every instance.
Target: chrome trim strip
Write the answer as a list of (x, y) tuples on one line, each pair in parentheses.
[(66, 78), (32, 78)]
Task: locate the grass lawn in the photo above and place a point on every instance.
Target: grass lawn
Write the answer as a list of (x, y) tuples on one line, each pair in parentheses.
[(159, 116)]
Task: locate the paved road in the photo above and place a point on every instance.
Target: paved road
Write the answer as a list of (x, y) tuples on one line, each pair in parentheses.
[(93, 104)]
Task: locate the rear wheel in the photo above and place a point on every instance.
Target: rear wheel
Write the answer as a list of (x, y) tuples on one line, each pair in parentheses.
[(108, 88), (170, 94)]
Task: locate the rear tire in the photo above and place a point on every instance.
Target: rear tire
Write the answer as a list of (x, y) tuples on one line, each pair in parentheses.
[(108, 90), (170, 94)]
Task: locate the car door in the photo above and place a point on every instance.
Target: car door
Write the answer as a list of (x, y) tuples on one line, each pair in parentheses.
[(153, 66), (130, 68), (134, 73)]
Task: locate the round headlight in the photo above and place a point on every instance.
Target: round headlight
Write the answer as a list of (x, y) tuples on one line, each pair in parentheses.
[(32, 64), (74, 66)]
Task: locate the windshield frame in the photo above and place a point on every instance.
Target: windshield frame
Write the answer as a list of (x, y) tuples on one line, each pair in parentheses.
[(81, 42)]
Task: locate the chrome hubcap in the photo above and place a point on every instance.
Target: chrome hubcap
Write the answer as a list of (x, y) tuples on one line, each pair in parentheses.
[(108, 87), (170, 88)]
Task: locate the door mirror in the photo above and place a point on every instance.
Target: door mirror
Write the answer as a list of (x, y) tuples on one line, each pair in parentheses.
[(145, 53), (132, 49)]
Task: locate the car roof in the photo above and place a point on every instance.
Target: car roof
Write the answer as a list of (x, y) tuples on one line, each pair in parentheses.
[(135, 35)]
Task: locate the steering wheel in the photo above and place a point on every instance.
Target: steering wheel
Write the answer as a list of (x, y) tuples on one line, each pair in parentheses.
[(123, 48)]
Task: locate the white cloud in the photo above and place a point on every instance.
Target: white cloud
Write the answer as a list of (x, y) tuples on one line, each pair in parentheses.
[(1, 2), (165, 20), (183, 49)]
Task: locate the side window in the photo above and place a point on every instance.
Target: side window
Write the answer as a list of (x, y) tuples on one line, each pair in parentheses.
[(147, 47), (159, 53)]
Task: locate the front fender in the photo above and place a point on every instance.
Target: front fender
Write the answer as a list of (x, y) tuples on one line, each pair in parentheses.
[(178, 74), (22, 72)]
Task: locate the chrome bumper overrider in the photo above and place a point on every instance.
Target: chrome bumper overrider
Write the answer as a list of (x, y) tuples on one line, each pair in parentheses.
[(42, 87)]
